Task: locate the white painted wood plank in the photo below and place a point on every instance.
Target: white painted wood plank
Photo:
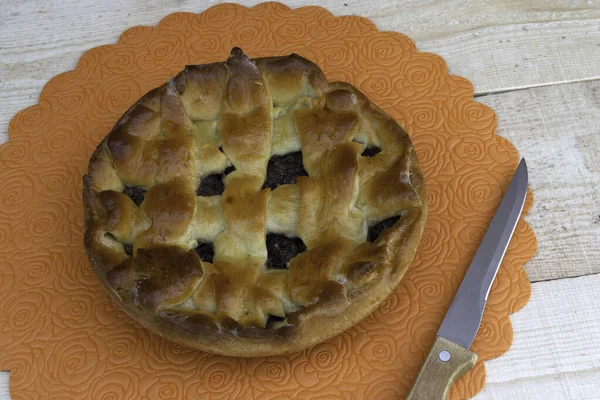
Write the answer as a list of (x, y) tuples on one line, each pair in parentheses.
[(556, 129), (581, 385), (497, 45), (502, 58), (423, 20), (554, 355), (4, 380)]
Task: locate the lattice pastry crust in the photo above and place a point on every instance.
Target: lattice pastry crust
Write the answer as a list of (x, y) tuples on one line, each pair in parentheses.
[(253, 208)]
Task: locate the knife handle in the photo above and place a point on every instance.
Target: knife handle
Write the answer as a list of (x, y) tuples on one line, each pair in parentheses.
[(437, 376)]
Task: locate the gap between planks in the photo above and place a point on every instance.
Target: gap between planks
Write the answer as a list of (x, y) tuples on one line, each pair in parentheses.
[(541, 85), (583, 275)]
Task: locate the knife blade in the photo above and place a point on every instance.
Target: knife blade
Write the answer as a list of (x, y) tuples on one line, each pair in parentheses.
[(449, 358)]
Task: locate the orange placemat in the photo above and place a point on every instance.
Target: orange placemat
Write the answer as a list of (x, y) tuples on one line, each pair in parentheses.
[(60, 334)]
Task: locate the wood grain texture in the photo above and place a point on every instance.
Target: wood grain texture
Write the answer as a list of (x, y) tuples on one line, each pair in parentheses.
[(556, 129), (554, 354), (437, 376), (496, 45)]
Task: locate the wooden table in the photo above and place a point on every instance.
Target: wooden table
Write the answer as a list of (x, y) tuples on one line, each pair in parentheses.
[(536, 63)]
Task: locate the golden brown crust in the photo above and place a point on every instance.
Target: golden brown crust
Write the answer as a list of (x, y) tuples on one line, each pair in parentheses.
[(238, 114)]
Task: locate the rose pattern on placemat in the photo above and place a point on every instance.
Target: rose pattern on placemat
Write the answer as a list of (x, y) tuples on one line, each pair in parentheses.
[(58, 327)]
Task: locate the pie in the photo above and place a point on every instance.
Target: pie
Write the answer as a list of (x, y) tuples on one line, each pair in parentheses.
[(251, 207)]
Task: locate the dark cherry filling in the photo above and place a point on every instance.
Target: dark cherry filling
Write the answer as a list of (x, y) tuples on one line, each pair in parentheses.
[(135, 193), (284, 169), (205, 251), (281, 249), (371, 151), (375, 230), (212, 185), (272, 320)]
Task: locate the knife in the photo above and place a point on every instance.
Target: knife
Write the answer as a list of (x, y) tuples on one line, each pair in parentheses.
[(450, 357)]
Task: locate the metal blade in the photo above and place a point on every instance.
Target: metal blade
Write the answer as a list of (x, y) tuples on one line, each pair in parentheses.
[(464, 315)]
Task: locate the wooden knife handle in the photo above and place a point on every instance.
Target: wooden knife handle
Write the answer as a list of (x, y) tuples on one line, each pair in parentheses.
[(437, 376)]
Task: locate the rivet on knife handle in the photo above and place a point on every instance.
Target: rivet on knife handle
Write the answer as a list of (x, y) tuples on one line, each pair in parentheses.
[(445, 363)]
